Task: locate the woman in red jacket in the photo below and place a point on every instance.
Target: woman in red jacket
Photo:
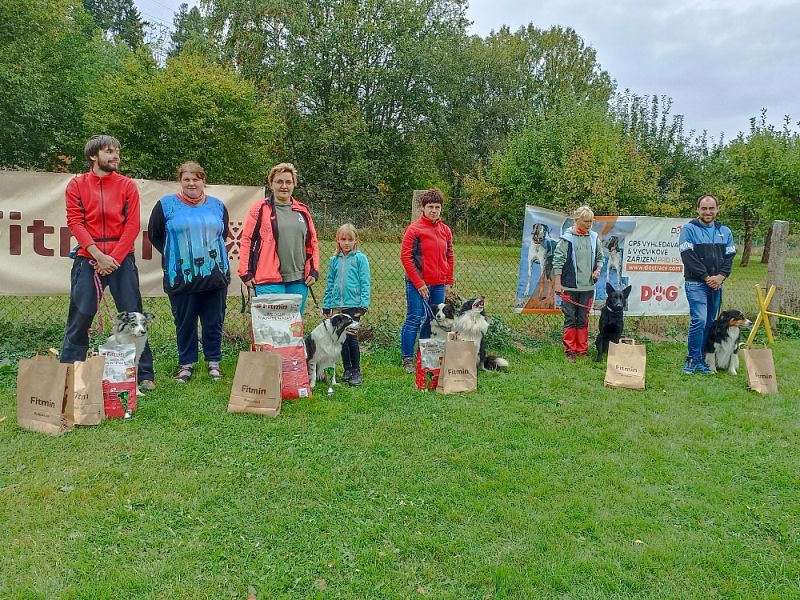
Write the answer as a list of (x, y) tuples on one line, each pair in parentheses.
[(427, 257), (279, 253)]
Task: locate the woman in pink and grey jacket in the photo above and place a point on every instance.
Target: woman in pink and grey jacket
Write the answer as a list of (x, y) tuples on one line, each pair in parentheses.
[(279, 250)]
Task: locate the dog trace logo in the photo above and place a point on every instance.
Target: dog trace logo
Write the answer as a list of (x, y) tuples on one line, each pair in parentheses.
[(659, 293)]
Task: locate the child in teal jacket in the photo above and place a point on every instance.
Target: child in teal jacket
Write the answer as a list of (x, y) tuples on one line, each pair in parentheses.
[(348, 291)]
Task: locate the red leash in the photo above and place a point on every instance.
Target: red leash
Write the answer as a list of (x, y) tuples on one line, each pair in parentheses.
[(567, 299), (98, 288)]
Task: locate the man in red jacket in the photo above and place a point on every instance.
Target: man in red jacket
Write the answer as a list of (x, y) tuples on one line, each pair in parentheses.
[(103, 215)]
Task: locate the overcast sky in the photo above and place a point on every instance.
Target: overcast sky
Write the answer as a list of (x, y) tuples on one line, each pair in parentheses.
[(721, 61)]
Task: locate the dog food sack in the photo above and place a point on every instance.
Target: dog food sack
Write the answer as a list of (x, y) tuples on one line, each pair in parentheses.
[(119, 380), (88, 406), (626, 365), (257, 384), (278, 326), (44, 395), (459, 372), (760, 367), (429, 363)]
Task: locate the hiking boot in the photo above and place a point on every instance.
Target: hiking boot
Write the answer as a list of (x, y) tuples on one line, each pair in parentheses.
[(408, 364), (348, 373), (147, 385), (570, 357), (184, 373), (688, 366), (355, 377)]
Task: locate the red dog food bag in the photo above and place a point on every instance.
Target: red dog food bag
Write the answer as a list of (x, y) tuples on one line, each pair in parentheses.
[(278, 326), (119, 380), (429, 362)]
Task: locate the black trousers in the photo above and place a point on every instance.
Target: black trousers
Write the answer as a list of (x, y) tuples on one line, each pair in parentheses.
[(351, 352), (124, 286)]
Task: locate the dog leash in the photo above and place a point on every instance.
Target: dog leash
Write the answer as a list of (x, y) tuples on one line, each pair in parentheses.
[(566, 298), (101, 298)]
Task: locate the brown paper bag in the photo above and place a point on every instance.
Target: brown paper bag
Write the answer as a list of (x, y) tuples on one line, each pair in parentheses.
[(459, 372), (627, 362), (88, 406), (760, 367), (44, 395), (257, 384)]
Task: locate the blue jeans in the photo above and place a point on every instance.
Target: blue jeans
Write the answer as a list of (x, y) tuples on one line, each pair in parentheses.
[(418, 319), (289, 287), (704, 305)]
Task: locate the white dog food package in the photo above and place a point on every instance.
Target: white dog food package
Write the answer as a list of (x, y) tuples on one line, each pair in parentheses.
[(278, 326), (119, 380)]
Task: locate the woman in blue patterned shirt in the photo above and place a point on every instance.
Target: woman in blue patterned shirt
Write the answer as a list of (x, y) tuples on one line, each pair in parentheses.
[(189, 229)]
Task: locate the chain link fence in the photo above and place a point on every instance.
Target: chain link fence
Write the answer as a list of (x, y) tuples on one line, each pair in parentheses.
[(487, 263)]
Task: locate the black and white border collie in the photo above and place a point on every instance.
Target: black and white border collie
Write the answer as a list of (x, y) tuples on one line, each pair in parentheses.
[(324, 346), (444, 315), (722, 345), (471, 324)]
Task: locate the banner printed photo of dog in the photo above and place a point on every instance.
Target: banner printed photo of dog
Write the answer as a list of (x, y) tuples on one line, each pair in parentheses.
[(613, 232), (535, 287)]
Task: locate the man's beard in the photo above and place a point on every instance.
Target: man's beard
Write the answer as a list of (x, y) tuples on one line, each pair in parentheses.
[(107, 165)]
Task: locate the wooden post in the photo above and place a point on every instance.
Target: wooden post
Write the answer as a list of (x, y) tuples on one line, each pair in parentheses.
[(775, 267), (416, 209)]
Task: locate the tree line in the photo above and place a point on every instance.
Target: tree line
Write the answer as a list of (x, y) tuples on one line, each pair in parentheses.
[(371, 99)]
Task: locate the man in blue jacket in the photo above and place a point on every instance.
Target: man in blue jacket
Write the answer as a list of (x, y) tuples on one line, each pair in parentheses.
[(707, 252)]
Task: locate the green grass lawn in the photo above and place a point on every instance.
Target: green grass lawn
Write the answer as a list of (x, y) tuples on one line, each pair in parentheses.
[(543, 484)]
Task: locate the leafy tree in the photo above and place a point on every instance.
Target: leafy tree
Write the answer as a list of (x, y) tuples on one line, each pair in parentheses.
[(192, 109), (190, 31), (356, 70), (573, 155), (764, 168), (51, 58), (118, 19)]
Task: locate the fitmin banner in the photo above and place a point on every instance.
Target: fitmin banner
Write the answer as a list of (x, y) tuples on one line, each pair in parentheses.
[(35, 242), (640, 251)]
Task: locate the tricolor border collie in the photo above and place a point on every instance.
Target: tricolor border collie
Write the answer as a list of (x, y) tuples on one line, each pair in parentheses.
[(722, 345), (131, 328), (471, 324), (324, 346)]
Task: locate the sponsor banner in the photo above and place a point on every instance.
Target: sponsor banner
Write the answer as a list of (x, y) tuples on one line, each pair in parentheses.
[(35, 242), (637, 251)]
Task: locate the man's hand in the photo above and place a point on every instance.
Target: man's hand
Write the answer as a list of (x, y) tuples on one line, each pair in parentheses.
[(596, 274), (310, 280), (105, 264), (714, 281), (249, 283), (447, 288), (423, 291)]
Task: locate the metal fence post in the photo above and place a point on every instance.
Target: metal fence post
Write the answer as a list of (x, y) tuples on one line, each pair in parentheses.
[(776, 265)]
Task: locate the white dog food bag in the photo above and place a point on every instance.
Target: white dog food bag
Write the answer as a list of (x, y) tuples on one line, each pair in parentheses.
[(119, 380), (278, 326)]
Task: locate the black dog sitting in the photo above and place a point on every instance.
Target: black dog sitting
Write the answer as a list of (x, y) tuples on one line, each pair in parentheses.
[(611, 319)]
